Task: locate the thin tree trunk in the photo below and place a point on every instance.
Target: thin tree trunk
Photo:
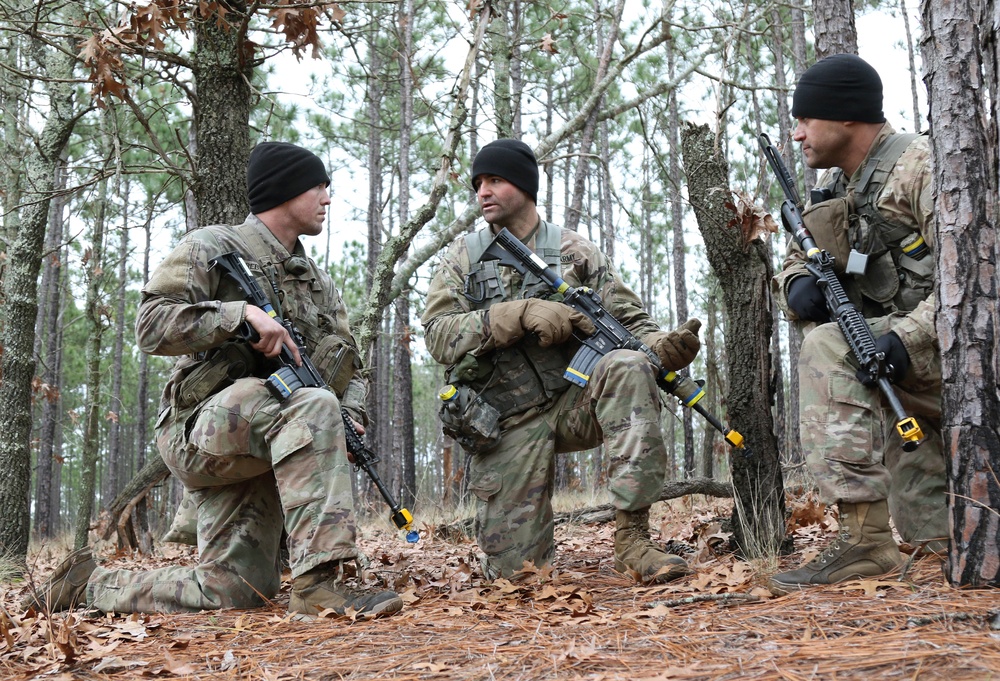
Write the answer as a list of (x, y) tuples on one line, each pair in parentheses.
[(51, 352), (744, 270), (575, 209), (93, 267), (675, 177), (117, 467), (403, 374)]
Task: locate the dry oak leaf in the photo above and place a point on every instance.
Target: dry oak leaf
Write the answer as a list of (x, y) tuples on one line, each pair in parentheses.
[(751, 220), (871, 586)]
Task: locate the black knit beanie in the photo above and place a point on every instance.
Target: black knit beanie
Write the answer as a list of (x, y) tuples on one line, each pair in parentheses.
[(279, 171), (510, 159), (842, 87)]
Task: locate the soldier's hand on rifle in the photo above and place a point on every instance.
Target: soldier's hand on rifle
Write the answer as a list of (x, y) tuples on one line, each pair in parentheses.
[(807, 300), (553, 323), (676, 349), (896, 357), (272, 334)]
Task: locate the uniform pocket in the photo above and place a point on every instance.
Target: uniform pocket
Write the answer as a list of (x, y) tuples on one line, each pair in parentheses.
[(486, 485)]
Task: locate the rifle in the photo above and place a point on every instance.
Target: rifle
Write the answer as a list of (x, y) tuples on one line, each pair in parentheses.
[(610, 334), (852, 323), (291, 376)]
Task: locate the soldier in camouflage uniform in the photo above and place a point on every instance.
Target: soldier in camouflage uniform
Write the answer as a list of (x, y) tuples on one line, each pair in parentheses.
[(506, 343), (252, 464), (873, 209)]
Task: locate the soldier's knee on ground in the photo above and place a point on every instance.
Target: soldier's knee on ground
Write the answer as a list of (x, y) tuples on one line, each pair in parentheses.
[(184, 527)]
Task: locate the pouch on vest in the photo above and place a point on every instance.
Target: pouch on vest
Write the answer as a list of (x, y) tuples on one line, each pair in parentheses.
[(227, 363), (829, 224), (470, 369), (336, 362), (881, 281), (469, 419)]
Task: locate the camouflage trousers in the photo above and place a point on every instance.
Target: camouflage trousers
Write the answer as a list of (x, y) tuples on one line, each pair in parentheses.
[(513, 481), (848, 433), (252, 465)]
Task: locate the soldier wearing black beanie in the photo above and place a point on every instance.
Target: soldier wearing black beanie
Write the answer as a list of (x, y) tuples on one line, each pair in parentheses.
[(842, 87), (510, 159), (280, 171)]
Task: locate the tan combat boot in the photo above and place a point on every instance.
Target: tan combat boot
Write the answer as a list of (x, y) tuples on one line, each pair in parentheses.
[(324, 588), (864, 548), (67, 587), (635, 551)]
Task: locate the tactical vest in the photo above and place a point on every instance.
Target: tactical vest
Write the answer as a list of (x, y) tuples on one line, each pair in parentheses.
[(518, 378), (203, 374), (898, 274)]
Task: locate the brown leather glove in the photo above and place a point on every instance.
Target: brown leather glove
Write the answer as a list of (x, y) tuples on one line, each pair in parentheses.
[(676, 349), (553, 323)]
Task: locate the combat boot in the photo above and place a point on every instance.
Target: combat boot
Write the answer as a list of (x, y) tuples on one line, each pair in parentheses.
[(324, 588), (634, 550), (864, 548), (67, 587)]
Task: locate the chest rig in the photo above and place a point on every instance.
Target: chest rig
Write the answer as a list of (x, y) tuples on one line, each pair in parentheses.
[(523, 376), (883, 263)]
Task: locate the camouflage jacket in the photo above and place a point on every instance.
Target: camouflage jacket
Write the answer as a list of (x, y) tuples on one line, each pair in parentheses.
[(905, 200), (189, 309), (455, 326)]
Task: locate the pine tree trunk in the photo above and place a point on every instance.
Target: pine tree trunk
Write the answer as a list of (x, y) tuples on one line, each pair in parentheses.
[(965, 184), (833, 26), (20, 291), (222, 75), (117, 467), (51, 352), (744, 271), (93, 406), (679, 270)]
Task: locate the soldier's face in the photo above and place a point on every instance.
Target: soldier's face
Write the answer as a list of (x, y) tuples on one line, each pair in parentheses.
[(500, 201), (307, 211), (823, 142)]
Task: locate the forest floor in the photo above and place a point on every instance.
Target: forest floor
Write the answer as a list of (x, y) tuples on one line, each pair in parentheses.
[(578, 620)]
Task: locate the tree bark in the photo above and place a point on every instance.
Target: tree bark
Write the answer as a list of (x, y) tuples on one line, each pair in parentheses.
[(20, 289), (95, 315), (222, 74), (965, 183), (744, 270), (834, 28)]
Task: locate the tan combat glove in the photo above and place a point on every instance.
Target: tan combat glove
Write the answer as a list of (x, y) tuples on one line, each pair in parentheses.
[(552, 322), (676, 349)]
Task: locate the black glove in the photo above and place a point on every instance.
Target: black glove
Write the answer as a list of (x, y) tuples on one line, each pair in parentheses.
[(806, 300), (896, 357)]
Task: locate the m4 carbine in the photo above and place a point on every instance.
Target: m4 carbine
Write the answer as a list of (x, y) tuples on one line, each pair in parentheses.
[(290, 376), (852, 323), (610, 334)]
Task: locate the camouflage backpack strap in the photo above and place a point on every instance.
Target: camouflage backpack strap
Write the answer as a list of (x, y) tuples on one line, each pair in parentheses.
[(483, 284), (869, 186)]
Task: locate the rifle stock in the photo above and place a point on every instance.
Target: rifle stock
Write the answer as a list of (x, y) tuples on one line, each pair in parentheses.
[(852, 323)]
